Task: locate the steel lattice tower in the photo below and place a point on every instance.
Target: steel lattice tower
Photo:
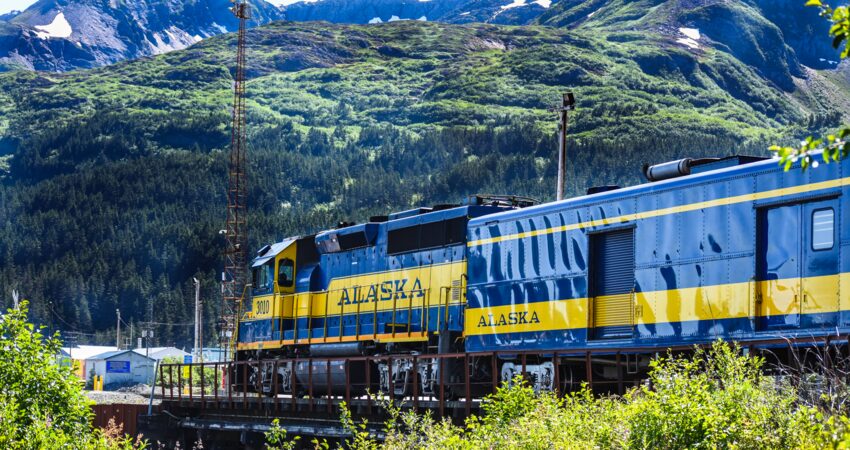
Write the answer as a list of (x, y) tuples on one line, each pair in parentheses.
[(236, 253)]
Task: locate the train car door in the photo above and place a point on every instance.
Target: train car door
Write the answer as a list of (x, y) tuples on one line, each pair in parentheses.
[(613, 282), (779, 251), (819, 284)]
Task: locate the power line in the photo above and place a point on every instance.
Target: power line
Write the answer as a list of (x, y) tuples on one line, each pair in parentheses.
[(58, 316), (167, 324)]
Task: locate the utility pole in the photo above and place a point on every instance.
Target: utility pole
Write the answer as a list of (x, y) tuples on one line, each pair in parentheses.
[(197, 315), (118, 329), (568, 104), (147, 335), (201, 330), (70, 339)]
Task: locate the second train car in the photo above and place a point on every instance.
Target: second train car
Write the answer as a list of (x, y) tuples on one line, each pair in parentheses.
[(729, 248)]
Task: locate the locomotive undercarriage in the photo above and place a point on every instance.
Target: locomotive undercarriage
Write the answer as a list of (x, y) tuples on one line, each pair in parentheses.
[(392, 370)]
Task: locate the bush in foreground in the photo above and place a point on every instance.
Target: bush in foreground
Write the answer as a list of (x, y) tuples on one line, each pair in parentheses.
[(714, 399), (42, 405)]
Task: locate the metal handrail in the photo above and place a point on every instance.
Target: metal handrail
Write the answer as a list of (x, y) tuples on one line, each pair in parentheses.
[(443, 316), (238, 315)]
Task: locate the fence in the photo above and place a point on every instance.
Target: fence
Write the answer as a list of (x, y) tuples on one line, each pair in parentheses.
[(125, 416)]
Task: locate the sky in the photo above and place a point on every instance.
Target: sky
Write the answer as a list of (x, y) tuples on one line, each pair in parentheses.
[(12, 5)]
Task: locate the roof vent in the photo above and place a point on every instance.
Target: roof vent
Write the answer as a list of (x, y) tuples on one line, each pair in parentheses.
[(514, 201), (668, 170), (688, 166)]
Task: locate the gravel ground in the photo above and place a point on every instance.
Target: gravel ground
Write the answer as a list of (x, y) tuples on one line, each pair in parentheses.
[(113, 398), (132, 395)]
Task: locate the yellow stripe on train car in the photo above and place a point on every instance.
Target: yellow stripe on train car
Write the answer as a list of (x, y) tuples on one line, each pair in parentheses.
[(810, 295)]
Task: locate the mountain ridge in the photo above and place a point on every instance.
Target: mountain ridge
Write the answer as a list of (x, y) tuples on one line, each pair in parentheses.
[(103, 32), (60, 35), (505, 12)]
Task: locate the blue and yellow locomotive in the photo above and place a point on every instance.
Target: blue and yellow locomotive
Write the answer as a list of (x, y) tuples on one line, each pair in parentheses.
[(731, 248)]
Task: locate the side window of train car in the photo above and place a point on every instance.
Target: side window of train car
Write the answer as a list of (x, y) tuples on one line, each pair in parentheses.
[(285, 273), (823, 229)]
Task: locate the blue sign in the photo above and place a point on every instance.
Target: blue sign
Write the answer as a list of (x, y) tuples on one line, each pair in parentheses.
[(117, 366), (187, 359)]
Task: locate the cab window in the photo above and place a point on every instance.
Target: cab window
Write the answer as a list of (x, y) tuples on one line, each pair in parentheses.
[(286, 273), (263, 278)]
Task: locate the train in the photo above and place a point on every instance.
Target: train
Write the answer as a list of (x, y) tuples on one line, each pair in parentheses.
[(733, 248)]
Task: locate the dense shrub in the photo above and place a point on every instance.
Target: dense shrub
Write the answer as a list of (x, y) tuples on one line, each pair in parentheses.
[(714, 399), (42, 405)]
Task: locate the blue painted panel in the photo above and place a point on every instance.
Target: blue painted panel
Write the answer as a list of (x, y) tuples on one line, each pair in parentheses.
[(692, 226), (667, 246), (646, 232), (256, 330), (714, 237)]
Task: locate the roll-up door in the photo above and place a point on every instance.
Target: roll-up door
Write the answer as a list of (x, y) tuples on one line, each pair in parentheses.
[(613, 274)]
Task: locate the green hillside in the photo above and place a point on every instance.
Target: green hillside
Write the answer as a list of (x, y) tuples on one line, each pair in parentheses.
[(114, 178)]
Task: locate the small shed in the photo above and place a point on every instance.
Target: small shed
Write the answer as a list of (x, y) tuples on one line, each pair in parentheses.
[(214, 354), (123, 367), (160, 353), (79, 356)]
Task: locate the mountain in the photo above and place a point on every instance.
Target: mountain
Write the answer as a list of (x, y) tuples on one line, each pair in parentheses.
[(511, 12), (59, 35), (9, 15), (112, 180), (774, 36)]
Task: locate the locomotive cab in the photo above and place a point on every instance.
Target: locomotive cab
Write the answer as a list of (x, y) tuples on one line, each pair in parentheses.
[(278, 273), (272, 275)]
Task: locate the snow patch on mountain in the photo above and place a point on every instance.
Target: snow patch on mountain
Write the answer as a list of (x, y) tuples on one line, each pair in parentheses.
[(291, 2), (692, 33), (59, 28), (691, 36), (518, 3), (514, 4), (220, 28), (172, 39), (395, 18)]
